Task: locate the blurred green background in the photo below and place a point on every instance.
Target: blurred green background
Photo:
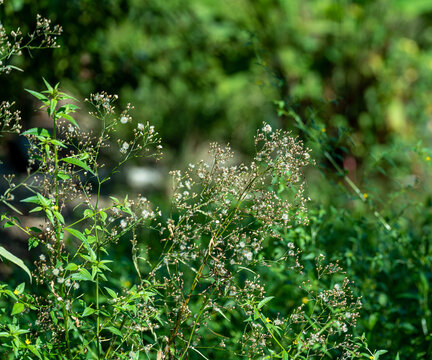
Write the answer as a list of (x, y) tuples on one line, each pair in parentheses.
[(357, 73)]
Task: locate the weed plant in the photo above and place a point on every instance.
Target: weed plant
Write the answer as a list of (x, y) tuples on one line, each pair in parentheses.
[(200, 296)]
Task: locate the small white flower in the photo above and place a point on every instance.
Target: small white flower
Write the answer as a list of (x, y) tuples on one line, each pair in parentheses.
[(60, 280), (248, 255), (242, 244), (277, 322), (267, 128), (68, 282), (124, 119), (337, 287), (131, 354), (348, 315), (285, 217), (55, 272), (123, 223), (59, 298), (291, 245), (145, 214), (124, 147), (141, 127), (76, 286), (42, 257)]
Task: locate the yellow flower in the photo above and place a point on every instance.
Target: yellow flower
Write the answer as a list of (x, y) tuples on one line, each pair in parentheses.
[(16, 292), (55, 207), (428, 158), (295, 342), (365, 195), (371, 357), (28, 342), (305, 300), (268, 320), (323, 130)]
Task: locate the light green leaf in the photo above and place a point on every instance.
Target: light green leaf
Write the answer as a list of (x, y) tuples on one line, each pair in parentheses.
[(88, 311), (39, 96), (69, 118), (20, 288), (264, 301), (111, 292), (48, 86), (71, 267), (17, 308), (40, 132), (77, 162)]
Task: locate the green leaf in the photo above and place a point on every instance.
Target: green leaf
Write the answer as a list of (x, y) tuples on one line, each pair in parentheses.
[(111, 292), (59, 217), (88, 311), (284, 355), (256, 314), (38, 132), (69, 118), (114, 330), (39, 96), (77, 162), (71, 267), (81, 236), (82, 275), (62, 176), (264, 301), (17, 308), (48, 86), (58, 143), (379, 353), (20, 289), (31, 199), (12, 258), (53, 105), (66, 96)]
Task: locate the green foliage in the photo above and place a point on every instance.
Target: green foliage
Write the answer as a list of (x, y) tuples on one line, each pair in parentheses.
[(351, 78)]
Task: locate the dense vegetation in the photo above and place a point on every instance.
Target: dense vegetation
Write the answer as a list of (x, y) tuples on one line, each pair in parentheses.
[(351, 79)]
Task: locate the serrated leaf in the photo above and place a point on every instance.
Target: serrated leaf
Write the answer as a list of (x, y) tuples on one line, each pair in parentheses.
[(17, 308), (17, 261)]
